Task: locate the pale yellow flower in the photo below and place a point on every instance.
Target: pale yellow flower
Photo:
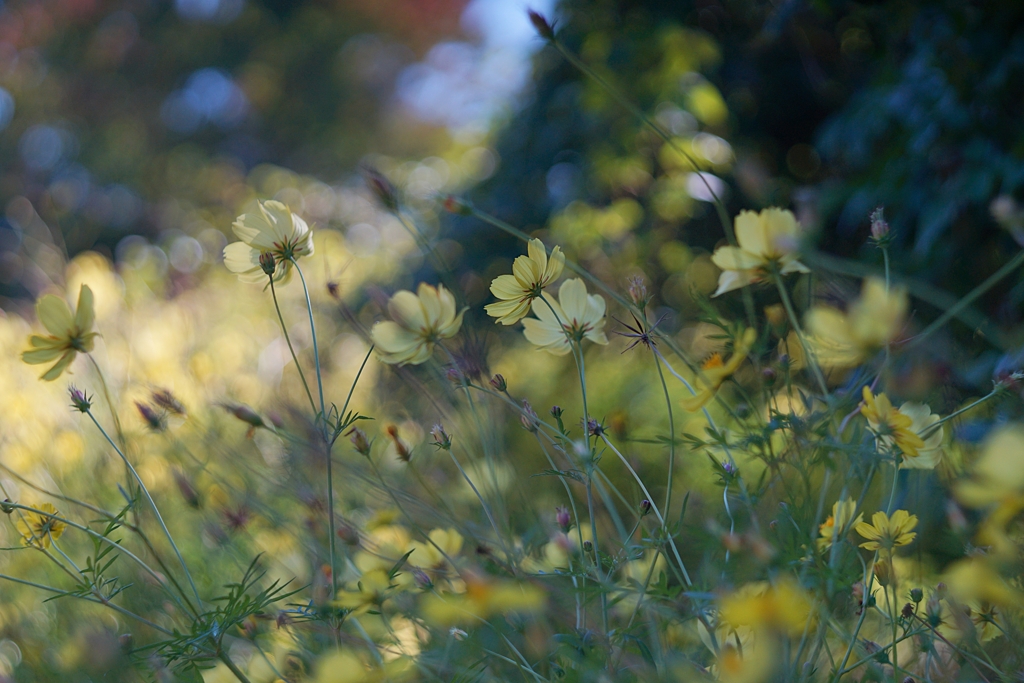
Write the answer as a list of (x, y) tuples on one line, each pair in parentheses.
[(483, 598), (996, 482), (764, 239), (272, 229), (885, 532), (975, 579), (427, 555), (784, 608), (70, 333), (838, 523), (369, 592), (905, 427), (574, 317), (844, 340), (40, 530), (714, 371), (530, 275), (418, 322)]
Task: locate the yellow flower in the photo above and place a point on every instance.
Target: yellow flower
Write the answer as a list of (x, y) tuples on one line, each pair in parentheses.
[(274, 229), (714, 371), (69, 332), (483, 598), (885, 532), (40, 530), (418, 322), (369, 592), (845, 340), (891, 426), (974, 579), (998, 475), (530, 275), (838, 523), (783, 608), (427, 555), (766, 238), (575, 316)]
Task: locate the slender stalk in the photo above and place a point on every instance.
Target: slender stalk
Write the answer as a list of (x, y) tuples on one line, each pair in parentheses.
[(232, 667), (312, 331), (811, 359), (671, 439), (483, 503), (156, 510), (287, 339)]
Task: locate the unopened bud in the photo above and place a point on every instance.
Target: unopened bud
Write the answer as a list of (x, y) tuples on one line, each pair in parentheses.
[(153, 419), (348, 534), (776, 316), (933, 609), (638, 292), (441, 438), (594, 428), (645, 507), (334, 289), (126, 641), (588, 546), (529, 418), (461, 207), (381, 188), (359, 441), (455, 376), (268, 263), (6, 506), (499, 383), (422, 579), (80, 401), (556, 411), (401, 450), (563, 518), (188, 492), (879, 227), (168, 401), (883, 572), (769, 376), (244, 413), (543, 27), (916, 594)]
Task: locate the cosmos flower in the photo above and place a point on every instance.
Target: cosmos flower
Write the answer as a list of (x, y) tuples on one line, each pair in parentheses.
[(530, 275), (886, 533), (764, 239), (845, 340), (40, 530), (274, 230), (418, 322), (70, 333), (905, 428), (574, 317), (841, 519), (714, 371)]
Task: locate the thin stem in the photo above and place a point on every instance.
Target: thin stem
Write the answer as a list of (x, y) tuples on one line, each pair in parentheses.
[(287, 339), (671, 438), (312, 331), (483, 503), (222, 656), (812, 360), (156, 510)]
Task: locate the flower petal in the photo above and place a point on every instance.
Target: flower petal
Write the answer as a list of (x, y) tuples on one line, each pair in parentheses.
[(85, 314), (54, 315)]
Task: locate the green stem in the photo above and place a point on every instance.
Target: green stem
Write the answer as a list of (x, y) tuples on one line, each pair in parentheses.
[(312, 331), (156, 510), (671, 438), (222, 656), (287, 339), (811, 359)]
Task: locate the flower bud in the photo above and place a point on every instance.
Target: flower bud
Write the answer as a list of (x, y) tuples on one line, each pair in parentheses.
[(883, 572), (879, 228), (638, 292), (645, 507), (563, 518), (401, 450), (382, 188), (7, 507), (334, 289), (168, 402), (80, 401), (268, 263), (359, 441), (422, 579), (544, 29), (499, 383), (244, 413), (529, 418), (126, 641), (441, 438), (461, 207), (594, 428), (588, 546), (188, 492), (556, 411), (916, 594), (153, 419)]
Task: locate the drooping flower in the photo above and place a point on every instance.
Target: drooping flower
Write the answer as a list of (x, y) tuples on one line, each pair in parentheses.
[(274, 230), (40, 530), (845, 340), (764, 239), (886, 533), (418, 322), (838, 523), (70, 333), (574, 317), (714, 371), (904, 427), (530, 275)]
